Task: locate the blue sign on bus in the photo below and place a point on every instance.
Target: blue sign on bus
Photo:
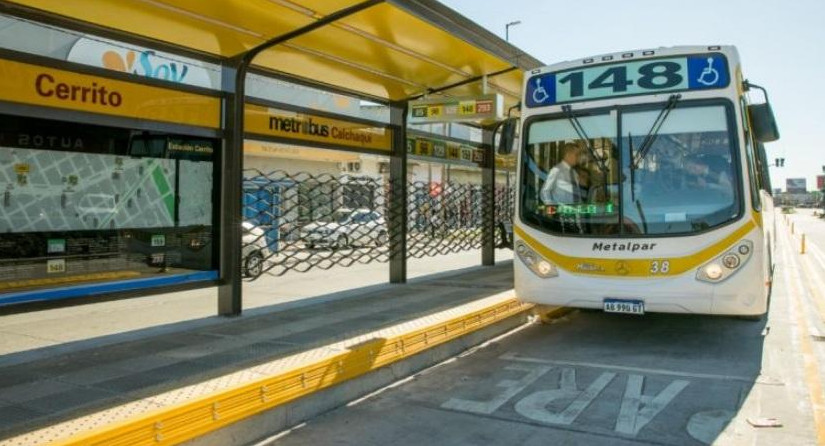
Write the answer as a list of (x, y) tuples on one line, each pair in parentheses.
[(629, 78)]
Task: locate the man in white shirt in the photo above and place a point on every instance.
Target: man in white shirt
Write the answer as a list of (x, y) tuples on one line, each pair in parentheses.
[(562, 183)]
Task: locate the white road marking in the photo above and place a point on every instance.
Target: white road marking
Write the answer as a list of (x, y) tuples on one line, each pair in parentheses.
[(512, 389), (534, 406), (647, 371), (638, 409)]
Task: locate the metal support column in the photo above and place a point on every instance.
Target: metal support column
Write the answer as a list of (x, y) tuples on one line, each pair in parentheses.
[(488, 201), (229, 291), (398, 200)]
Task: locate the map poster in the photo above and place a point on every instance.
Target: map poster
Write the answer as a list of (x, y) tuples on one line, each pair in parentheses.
[(78, 204)]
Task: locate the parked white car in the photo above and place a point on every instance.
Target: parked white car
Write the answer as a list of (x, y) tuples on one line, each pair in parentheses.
[(347, 227), (255, 250)]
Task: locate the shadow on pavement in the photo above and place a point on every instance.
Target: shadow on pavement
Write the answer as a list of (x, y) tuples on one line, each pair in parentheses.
[(113, 370)]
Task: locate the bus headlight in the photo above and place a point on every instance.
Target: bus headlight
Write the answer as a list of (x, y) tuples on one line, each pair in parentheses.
[(535, 262), (726, 264), (713, 271), (544, 268), (731, 261)]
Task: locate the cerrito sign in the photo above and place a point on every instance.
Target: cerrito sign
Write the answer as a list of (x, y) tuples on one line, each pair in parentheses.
[(47, 86), (36, 85)]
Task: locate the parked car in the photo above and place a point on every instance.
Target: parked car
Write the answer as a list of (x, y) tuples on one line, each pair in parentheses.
[(255, 250), (347, 227)]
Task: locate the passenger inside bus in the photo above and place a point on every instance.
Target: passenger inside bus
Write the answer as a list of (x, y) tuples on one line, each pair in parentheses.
[(562, 183)]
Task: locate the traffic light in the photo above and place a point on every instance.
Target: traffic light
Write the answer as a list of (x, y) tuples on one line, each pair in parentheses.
[(779, 162)]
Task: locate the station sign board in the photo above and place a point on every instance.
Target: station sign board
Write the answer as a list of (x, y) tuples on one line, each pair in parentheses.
[(37, 85), (445, 151), (796, 185), (270, 122), (461, 109)]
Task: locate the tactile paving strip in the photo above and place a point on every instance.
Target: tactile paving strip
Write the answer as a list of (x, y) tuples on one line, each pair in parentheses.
[(487, 309)]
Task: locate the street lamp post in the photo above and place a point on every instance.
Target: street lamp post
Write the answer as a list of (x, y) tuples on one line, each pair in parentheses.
[(507, 29)]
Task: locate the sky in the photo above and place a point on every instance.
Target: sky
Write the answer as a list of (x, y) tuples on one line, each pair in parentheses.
[(781, 45)]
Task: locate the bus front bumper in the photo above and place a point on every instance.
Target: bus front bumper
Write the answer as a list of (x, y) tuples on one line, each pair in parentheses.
[(741, 294)]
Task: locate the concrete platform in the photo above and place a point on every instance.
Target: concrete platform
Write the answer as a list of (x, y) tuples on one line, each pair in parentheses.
[(52, 393)]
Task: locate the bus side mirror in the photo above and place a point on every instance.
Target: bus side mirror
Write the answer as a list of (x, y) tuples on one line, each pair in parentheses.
[(507, 137), (763, 122)]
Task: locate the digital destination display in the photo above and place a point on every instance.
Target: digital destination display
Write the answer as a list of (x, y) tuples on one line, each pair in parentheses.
[(698, 72), (577, 209)]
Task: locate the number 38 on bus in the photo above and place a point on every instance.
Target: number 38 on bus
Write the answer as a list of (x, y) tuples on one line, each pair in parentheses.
[(643, 184)]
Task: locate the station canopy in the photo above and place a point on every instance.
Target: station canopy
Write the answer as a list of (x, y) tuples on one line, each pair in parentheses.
[(391, 50)]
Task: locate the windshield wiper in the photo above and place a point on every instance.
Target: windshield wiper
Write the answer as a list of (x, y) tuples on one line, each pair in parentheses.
[(632, 168), (574, 121), (654, 131)]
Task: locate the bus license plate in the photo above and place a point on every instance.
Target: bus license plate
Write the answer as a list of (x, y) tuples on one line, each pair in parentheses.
[(624, 306)]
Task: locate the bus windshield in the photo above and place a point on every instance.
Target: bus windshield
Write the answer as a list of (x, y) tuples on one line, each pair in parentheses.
[(595, 182)]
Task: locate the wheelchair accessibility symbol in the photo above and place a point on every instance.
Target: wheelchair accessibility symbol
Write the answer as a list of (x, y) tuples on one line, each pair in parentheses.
[(539, 94), (709, 75)]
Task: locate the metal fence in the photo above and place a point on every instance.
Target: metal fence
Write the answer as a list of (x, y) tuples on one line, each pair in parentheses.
[(298, 222)]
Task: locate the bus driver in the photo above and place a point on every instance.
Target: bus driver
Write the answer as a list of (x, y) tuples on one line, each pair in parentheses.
[(708, 172), (562, 183)]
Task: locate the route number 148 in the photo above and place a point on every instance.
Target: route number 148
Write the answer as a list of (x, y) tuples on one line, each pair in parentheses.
[(651, 76)]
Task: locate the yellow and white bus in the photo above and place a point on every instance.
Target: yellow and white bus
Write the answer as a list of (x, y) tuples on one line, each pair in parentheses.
[(643, 185)]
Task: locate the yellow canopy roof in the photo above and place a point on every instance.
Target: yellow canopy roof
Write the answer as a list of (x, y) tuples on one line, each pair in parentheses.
[(392, 50)]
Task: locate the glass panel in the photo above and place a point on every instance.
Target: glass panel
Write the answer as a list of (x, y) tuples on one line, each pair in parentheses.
[(684, 182), (84, 203), (303, 96), (569, 184)]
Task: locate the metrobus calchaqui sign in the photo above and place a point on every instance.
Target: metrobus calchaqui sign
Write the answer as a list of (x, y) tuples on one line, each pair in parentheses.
[(275, 123)]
